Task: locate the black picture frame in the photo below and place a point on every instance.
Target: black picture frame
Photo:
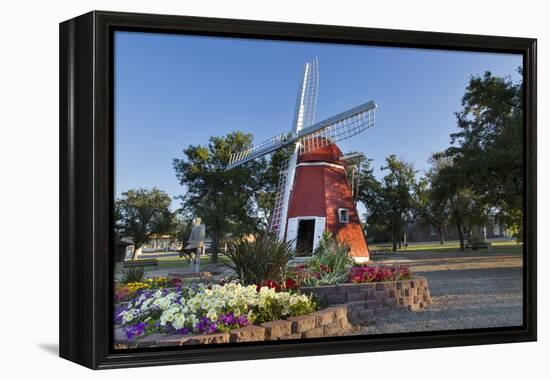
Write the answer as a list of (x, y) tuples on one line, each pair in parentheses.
[(86, 187)]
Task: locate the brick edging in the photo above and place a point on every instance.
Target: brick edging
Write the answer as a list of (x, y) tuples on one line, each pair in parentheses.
[(366, 301), (332, 321)]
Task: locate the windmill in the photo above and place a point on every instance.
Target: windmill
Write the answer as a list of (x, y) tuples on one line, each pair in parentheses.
[(314, 194)]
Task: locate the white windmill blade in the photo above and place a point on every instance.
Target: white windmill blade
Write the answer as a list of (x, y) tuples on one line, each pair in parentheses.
[(306, 102), (337, 128), (261, 149), (304, 116), (276, 223)]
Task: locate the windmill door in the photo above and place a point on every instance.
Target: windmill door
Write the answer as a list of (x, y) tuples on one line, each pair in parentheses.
[(305, 235), (305, 232), (292, 230), (318, 232)]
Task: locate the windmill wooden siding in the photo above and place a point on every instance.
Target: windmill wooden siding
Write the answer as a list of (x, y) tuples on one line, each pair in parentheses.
[(321, 187)]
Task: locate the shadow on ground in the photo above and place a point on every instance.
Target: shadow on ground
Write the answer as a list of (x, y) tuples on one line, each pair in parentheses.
[(51, 348)]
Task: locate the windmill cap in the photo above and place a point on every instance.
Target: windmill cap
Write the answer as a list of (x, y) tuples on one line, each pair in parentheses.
[(329, 153)]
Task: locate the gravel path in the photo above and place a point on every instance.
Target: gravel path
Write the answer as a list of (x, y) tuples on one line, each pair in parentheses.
[(468, 291)]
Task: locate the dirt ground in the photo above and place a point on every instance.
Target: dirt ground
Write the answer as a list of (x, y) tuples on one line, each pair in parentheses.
[(469, 290)]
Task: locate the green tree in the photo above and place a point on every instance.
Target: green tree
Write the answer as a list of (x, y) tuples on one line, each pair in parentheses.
[(142, 213), (370, 189), (488, 149), (465, 208), (428, 210), (223, 199), (389, 203), (432, 209), (370, 196)]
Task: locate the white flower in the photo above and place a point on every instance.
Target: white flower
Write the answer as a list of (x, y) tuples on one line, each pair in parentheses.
[(212, 314), (179, 321)]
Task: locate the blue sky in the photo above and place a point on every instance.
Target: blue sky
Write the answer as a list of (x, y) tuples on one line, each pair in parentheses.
[(172, 91)]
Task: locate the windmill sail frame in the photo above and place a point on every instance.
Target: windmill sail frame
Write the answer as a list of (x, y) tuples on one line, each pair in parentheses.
[(306, 136), (336, 128)]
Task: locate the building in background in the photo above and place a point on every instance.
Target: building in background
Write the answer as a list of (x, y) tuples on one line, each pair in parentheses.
[(419, 233)]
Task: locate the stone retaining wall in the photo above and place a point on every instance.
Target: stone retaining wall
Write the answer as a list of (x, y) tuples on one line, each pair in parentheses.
[(332, 321), (365, 302)]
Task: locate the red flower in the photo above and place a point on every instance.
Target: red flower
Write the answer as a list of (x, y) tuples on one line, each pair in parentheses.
[(367, 273), (270, 284), (291, 284), (325, 268)]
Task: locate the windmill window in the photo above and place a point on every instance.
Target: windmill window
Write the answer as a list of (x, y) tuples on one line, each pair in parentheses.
[(343, 215)]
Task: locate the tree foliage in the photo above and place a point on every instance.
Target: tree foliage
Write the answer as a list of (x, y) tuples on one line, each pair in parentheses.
[(430, 211), (463, 207), (223, 199), (389, 202), (490, 142), (487, 152), (142, 213)]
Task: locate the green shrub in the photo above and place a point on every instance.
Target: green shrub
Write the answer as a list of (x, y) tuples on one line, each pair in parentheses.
[(260, 259), (303, 307), (134, 274), (331, 253), (330, 263), (475, 241), (273, 309), (331, 278)]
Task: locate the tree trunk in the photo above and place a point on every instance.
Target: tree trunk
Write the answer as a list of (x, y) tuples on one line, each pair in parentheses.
[(460, 236), (441, 236), (394, 240), (136, 248), (215, 246)]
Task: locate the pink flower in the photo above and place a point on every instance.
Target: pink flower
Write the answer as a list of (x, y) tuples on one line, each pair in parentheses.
[(366, 273)]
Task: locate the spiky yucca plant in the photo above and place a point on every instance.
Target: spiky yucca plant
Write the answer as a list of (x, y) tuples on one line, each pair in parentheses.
[(330, 262), (262, 258)]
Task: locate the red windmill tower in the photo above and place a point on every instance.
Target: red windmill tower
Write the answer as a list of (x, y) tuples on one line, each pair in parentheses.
[(315, 193)]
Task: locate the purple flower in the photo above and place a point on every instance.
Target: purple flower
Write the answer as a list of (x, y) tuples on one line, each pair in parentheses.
[(206, 326), (231, 321), (212, 327), (242, 321), (135, 330), (227, 319), (118, 315), (183, 331), (147, 293)]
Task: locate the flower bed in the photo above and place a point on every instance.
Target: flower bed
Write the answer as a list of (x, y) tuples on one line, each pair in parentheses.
[(332, 321), (382, 273), (125, 292), (206, 310), (332, 266)]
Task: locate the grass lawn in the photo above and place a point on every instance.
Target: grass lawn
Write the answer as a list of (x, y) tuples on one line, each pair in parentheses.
[(176, 262), (453, 246)]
